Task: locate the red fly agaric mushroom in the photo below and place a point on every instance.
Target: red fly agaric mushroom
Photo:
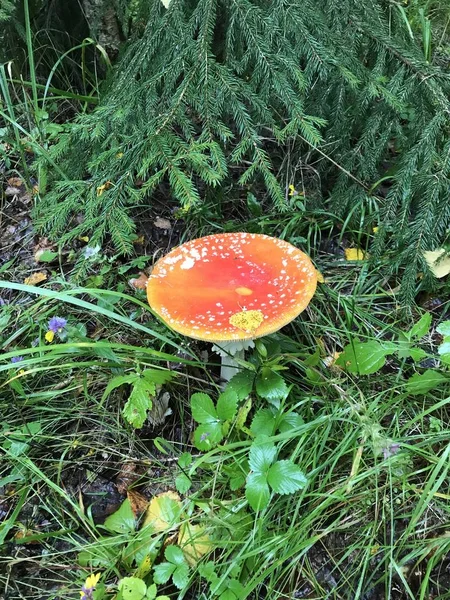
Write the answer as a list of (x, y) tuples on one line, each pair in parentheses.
[(230, 288)]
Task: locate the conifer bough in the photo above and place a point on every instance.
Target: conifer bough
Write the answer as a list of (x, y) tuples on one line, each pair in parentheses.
[(231, 288)]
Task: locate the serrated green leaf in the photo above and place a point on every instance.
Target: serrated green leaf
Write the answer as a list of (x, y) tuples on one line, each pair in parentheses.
[(182, 483), (237, 481), (152, 591), (123, 520), (263, 422), (261, 456), (132, 588), (241, 384), (363, 358), (139, 402), (202, 407), (271, 386), (158, 376), (207, 571), (422, 327), (180, 576), (163, 572), (227, 405), (174, 554), (257, 491), (444, 328), (208, 435), (227, 595), (185, 459), (425, 382), (285, 477), (117, 382), (290, 420)]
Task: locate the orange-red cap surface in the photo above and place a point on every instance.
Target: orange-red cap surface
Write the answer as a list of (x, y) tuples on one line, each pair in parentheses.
[(231, 286)]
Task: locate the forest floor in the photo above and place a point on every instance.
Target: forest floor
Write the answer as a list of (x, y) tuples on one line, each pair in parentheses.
[(363, 411)]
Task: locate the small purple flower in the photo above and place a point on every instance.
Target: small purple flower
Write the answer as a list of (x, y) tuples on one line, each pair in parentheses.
[(16, 359), (57, 324)]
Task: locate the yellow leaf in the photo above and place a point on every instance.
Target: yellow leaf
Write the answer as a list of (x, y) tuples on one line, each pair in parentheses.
[(438, 262), (355, 254), (194, 542), (144, 567), (163, 511), (103, 188), (35, 278), (320, 277), (49, 336)]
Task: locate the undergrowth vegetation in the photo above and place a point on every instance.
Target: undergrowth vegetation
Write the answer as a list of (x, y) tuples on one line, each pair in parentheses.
[(128, 469)]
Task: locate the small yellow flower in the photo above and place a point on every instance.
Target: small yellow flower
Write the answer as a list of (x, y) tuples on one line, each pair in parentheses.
[(375, 229), (355, 254), (49, 336), (119, 155), (292, 190)]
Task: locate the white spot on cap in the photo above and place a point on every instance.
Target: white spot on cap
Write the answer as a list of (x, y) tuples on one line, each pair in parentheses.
[(188, 263)]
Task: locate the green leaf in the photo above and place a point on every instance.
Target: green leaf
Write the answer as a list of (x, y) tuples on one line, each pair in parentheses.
[(117, 382), (158, 376), (45, 256), (271, 386), (174, 554), (185, 459), (290, 420), (227, 405), (182, 483), (241, 384), (444, 328), (180, 576), (152, 591), (285, 477), (421, 328), (444, 348), (363, 358), (227, 595), (423, 383), (132, 588), (202, 407), (261, 455), (263, 422), (253, 205), (417, 354), (257, 491), (163, 572), (139, 402), (123, 520), (208, 435)]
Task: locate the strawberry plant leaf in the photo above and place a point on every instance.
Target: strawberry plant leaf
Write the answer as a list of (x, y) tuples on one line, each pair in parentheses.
[(123, 520), (261, 455), (163, 572), (271, 386), (285, 477), (174, 554), (180, 576), (257, 491), (202, 407), (363, 358), (208, 435), (227, 405), (263, 422), (241, 384)]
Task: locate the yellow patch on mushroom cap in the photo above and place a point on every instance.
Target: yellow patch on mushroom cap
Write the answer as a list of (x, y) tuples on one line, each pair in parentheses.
[(247, 320)]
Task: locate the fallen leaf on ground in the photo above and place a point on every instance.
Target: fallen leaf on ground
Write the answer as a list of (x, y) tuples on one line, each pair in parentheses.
[(438, 262), (139, 283), (15, 181), (138, 502), (162, 223), (35, 278), (355, 254), (194, 542), (163, 511)]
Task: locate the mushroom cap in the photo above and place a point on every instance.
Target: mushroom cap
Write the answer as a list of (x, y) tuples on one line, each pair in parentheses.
[(231, 286)]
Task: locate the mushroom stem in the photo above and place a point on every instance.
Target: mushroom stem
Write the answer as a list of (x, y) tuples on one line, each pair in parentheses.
[(229, 352), (229, 366)]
